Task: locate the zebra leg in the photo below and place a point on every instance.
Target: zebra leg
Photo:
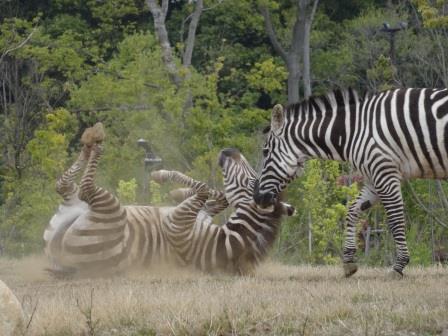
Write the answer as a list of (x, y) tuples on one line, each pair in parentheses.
[(162, 176), (180, 223), (181, 194), (88, 189), (100, 200), (66, 186), (390, 195), (367, 198), (211, 207), (215, 206)]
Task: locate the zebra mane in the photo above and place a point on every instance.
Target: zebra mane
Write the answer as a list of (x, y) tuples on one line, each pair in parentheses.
[(341, 96)]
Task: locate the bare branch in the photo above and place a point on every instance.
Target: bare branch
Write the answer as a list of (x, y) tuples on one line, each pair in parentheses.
[(153, 6), (164, 8), (20, 45), (441, 193), (271, 33), (162, 36), (120, 76), (192, 33), (428, 211), (123, 107), (313, 10), (87, 313), (299, 27)]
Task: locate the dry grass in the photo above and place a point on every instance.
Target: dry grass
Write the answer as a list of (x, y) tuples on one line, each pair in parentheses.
[(278, 300)]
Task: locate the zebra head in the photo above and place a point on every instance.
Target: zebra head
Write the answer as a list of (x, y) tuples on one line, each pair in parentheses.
[(239, 176), (280, 164), (240, 182)]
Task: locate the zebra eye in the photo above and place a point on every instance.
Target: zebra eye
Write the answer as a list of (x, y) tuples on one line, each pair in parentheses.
[(265, 152)]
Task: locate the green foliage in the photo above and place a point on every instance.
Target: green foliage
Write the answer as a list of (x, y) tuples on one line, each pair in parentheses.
[(48, 147), (382, 74), (86, 61), (320, 216), (269, 77), (433, 13), (127, 191), (31, 200), (156, 193)]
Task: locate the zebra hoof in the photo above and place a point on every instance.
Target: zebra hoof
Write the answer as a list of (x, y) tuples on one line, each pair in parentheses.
[(394, 275), (350, 268), (94, 134), (160, 176)]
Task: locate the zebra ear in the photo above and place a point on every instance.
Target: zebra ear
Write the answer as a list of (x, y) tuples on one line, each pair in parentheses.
[(277, 118)]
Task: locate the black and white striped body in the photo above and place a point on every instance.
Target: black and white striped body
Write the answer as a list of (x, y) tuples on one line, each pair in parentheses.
[(238, 245), (394, 135), (68, 212), (93, 233)]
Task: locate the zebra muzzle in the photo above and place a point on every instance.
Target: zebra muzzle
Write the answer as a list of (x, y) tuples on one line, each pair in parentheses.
[(264, 200)]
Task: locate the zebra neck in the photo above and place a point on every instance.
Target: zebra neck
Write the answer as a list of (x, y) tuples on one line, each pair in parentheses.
[(254, 225), (324, 133)]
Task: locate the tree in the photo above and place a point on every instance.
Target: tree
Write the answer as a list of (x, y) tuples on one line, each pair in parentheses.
[(434, 13), (159, 14), (298, 51)]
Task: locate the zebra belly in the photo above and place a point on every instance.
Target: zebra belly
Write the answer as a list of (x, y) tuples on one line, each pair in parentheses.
[(57, 228), (89, 243), (145, 237), (425, 162)]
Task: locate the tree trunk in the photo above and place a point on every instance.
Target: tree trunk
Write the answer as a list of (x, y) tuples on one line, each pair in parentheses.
[(159, 15), (306, 60), (299, 48), (189, 46), (293, 79), (307, 12)]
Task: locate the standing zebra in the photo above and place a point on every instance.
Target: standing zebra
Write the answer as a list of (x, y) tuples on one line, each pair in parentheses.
[(394, 135), (240, 244)]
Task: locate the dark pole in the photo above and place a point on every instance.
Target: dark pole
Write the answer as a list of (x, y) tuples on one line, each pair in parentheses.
[(392, 31), (151, 160)]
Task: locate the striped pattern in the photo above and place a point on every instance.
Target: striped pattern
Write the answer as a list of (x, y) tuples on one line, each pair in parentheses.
[(215, 205), (93, 233), (238, 245), (394, 135)]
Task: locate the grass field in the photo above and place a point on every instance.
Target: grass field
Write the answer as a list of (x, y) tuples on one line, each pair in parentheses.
[(278, 300)]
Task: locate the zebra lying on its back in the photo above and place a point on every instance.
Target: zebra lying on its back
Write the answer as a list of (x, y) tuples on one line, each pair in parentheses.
[(391, 136), (93, 233), (238, 245)]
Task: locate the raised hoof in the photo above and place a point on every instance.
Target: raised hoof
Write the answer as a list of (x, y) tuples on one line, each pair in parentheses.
[(350, 269), (394, 275), (159, 176), (94, 134)]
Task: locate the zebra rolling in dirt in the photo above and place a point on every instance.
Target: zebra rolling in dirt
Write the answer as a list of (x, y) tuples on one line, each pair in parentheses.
[(104, 236), (93, 233), (240, 244), (391, 136)]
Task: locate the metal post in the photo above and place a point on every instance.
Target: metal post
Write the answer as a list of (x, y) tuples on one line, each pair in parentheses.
[(367, 240), (150, 162), (392, 31), (310, 234)]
